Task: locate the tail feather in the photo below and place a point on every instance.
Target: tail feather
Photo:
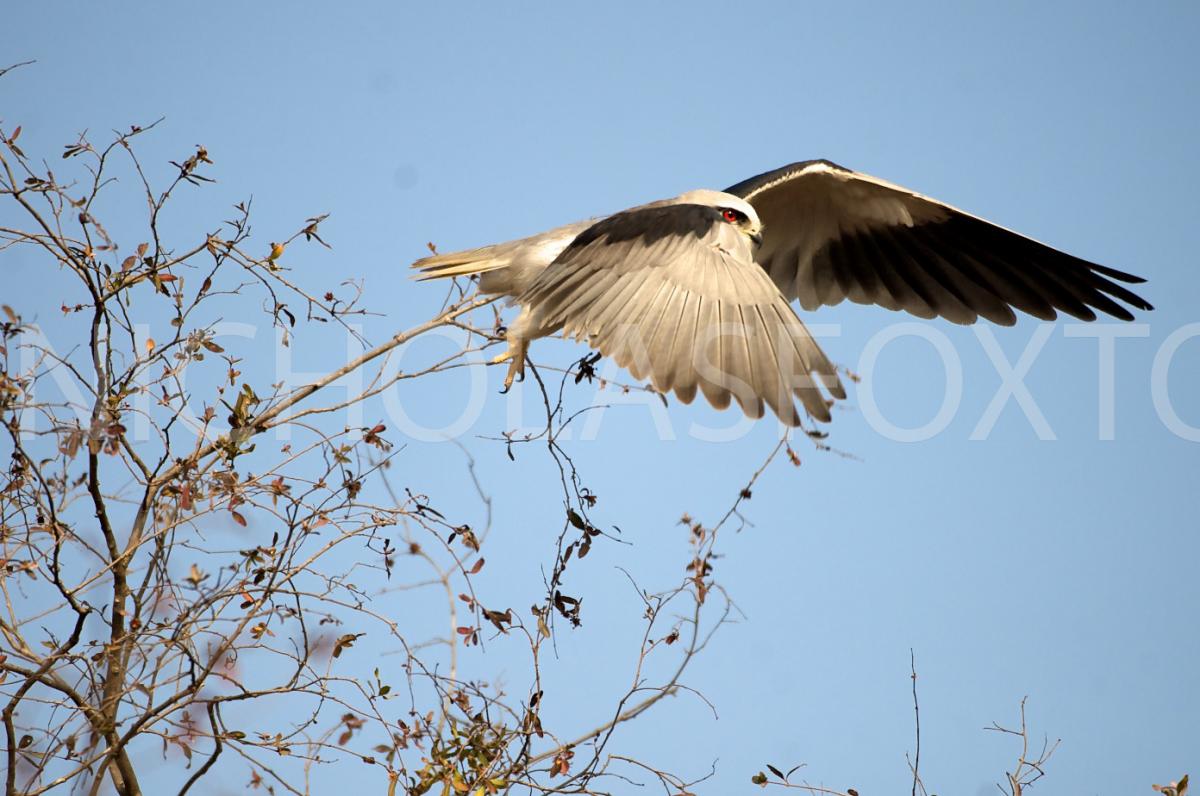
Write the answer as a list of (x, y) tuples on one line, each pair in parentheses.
[(470, 261), (506, 268)]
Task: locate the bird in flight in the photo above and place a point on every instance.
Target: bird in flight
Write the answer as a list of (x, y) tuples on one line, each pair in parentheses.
[(695, 291)]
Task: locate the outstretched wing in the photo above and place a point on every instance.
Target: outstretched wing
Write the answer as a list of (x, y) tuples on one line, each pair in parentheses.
[(673, 293), (831, 234)]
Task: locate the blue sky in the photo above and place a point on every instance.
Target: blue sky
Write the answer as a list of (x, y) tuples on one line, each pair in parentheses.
[(1012, 565)]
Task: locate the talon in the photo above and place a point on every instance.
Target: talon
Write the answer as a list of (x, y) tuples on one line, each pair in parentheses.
[(512, 372), (516, 363)]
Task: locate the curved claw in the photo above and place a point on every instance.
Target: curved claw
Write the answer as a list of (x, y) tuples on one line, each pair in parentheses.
[(515, 355)]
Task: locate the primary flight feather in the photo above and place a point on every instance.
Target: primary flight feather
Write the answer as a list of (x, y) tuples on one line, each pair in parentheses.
[(694, 292)]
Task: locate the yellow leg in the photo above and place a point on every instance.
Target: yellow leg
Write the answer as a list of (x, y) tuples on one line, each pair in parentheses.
[(515, 355)]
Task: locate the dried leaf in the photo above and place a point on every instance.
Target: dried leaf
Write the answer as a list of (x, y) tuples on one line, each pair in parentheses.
[(345, 642), (1174, 789)]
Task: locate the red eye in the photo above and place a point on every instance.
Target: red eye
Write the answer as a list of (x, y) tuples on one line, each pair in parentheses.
[(730, 215)]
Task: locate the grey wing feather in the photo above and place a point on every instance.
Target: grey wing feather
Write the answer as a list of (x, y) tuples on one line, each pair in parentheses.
[(831, 234), (660, 291)]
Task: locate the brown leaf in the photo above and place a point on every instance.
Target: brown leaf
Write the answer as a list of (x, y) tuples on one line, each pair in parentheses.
[(238, 518), (1175, 788), (345, 642), (478, 566)]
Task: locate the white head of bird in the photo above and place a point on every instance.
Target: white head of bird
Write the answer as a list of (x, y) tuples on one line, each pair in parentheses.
[(734, 210)]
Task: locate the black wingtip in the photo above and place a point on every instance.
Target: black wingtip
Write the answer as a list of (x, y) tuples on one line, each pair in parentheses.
[(1128, 278)]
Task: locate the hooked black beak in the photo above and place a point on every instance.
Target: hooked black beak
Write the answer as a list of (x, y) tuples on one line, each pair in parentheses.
[(757, 238)]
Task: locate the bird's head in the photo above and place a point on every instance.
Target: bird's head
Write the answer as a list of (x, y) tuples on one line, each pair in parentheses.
[(733, 210)]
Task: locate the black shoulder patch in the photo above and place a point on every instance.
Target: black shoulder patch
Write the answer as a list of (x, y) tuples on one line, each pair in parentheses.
[(649, 224)]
